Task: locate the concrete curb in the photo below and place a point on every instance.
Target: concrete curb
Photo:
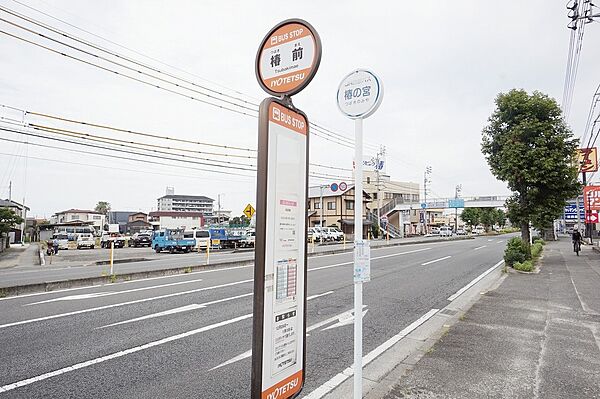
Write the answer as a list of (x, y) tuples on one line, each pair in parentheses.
[(384, 372), (91, 281)]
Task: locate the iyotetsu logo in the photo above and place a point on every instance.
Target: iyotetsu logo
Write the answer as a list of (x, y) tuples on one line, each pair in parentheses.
[(282, 390)]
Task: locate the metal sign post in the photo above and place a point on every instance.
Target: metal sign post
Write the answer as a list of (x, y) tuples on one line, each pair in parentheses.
[(359, 95), (280, 267)]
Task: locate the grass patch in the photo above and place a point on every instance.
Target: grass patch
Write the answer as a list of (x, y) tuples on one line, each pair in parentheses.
[(3, 293), (113, 278), (187, 270), (526, 266)]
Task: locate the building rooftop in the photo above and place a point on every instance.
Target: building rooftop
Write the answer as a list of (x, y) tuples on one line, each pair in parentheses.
[(175, 213), (78, 211), (11, 204), (196, 197)]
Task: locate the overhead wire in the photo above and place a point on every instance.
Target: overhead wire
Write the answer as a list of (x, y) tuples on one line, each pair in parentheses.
[(338, 136)]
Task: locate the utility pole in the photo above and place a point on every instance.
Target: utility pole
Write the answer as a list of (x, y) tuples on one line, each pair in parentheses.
[(457, 190), (10, 190), (425, 181), (381, 154)]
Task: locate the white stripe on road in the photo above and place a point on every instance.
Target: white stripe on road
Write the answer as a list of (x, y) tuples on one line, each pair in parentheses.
[(483, 246), (115, 355), (99, 294), (373, 258), (17, 323), (475, 280), (489, 240), (436, 260), (500, 241), (349, 372), (186, 308), (184, 292), (248, 353), (129, 351), (120, 283)]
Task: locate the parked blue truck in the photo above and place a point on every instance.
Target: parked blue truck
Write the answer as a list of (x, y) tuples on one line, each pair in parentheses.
[(172, 241)]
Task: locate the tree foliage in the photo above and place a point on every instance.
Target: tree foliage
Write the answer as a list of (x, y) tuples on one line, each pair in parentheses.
[(487, 217), (8, 219), (239, 221), (528, 145), (103, 207)]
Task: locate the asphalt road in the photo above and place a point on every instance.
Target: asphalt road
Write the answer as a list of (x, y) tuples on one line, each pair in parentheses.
[(188, 336)]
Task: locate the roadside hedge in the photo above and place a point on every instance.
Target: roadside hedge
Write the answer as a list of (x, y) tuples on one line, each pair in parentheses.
[(515, 252), (526, 266)]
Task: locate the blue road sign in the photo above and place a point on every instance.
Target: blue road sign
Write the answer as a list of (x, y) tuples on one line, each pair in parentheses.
[(571, 212), (456, 203), (334, 187), (423, 205)]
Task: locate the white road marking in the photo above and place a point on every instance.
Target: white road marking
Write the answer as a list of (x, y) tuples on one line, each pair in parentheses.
[(345, 320), (248, 353), (120, 283), (500, 241), (115, 355), (310, 298), (17, 323), (99, 294), (489, 240), (349, 372), (483, 246), (474, 281), (186, 308), (373, 258), (436, 260)]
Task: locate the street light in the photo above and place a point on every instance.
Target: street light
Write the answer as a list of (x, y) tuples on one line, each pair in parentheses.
[(457, 191), (426, 180)]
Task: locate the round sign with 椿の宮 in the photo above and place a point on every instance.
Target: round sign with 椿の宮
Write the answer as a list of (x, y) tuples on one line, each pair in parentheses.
[(359, 94), (288, 57)]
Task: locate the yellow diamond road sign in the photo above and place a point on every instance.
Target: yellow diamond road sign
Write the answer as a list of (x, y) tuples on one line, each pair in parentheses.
[(249, 211)]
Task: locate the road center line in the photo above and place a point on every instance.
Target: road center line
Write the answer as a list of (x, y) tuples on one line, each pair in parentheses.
[(339, 378), (95, 295), (483, 246), (436, 260), (474, 281), (115, 355), (17, 323), (129, 351)]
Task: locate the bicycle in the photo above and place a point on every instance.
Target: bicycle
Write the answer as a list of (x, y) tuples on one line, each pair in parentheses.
[(577, 247)]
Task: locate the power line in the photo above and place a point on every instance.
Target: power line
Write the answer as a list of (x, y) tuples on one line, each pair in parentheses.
[(341, 139), (136, 52)]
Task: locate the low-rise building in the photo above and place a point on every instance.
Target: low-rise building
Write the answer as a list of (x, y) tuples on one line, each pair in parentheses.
[(97, 219), (338, 208), (16, 233), (176, 220), (186, 203)]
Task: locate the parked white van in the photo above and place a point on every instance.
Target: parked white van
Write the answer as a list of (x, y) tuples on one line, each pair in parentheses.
[(445, 231), (202, 237)]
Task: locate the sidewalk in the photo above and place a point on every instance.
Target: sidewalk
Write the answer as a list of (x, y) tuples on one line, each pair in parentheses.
[(18, 255), (535, 336)]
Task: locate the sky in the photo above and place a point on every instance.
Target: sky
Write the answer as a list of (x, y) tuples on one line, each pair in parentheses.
[(441, 63)]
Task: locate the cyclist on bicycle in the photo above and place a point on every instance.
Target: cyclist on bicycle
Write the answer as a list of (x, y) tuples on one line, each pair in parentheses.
[(576, 237)]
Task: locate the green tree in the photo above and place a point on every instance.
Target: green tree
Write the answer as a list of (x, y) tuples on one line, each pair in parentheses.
[(528, 145), (8, 219), (500, 218), (471, 216), (488, 217), (103, 207)]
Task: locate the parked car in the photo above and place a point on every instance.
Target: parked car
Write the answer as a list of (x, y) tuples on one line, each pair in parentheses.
[(478, 230), (201, 237), (445, 231), (435, 230), (315, 233), (310, 235), (85, 240), (172, 241), (63, 240), (461, 232), (141, 240), (108, 238), (248, 239), (335, 233)]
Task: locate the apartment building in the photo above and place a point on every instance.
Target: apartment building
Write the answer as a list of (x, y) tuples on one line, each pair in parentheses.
[(186, 203)]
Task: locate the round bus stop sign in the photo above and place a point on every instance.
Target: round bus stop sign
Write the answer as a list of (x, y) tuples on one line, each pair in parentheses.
[(288, 58), (359, 94)]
